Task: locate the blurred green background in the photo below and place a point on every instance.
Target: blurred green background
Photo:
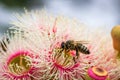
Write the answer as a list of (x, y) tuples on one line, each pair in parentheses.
[(94, 13)]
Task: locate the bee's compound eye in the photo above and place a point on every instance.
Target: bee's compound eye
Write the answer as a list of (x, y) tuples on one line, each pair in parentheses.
[(69, 43), (62, 45)]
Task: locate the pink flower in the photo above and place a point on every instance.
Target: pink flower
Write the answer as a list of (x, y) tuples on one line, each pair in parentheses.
[(16, 59), (46, 32), (103, 55)]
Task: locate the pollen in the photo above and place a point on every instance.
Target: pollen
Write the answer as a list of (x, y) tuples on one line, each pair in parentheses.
[(19, 65), (62, 58)]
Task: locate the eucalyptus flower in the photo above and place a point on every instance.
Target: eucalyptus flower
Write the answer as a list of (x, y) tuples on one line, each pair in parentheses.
[(44, 33), (16, 58)]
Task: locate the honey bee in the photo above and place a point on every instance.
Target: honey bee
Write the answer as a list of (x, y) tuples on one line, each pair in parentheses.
[(75, 45)]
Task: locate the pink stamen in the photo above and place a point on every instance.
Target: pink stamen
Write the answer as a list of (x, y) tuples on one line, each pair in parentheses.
[(54, 27), (60, 67)]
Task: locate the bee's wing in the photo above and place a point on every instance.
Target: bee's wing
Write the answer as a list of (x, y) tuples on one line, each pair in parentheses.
[(83, 42)]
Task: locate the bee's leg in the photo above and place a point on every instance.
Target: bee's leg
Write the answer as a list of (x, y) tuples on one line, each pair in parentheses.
[(66, 53), (61, 50), (77, 52), (74, 60)]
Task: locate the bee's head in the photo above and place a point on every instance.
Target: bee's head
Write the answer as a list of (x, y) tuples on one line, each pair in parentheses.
[(63, 45)]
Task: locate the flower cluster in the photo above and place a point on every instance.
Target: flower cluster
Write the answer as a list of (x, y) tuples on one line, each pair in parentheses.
[(32, 50)]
